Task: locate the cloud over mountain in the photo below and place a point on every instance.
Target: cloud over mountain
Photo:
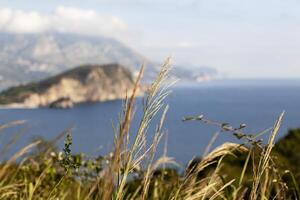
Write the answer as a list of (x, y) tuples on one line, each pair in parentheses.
[(62, 19)]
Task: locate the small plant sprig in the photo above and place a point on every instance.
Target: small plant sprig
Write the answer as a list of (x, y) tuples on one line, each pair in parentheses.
[(68, 161), (226, 127)]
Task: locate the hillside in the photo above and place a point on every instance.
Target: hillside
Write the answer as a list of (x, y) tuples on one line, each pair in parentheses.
[(88, 83)]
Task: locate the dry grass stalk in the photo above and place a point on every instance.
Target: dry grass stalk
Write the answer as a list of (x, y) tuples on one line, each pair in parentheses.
[(115, 162), (152, 104), (11, 124), (15, 157), (261, 169)]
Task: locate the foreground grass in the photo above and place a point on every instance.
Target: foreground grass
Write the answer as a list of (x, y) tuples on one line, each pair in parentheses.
[(250, 170)]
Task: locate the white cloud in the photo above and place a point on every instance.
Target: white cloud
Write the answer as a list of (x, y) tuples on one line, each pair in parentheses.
[(62, 19)]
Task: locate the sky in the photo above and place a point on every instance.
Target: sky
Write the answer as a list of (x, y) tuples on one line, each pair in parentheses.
[(240, 38)]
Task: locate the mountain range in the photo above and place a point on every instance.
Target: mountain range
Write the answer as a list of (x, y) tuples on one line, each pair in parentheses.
[(28, 57), (31, 57)]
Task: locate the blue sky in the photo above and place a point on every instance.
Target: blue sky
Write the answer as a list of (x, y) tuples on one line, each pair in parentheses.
[(241, 38)]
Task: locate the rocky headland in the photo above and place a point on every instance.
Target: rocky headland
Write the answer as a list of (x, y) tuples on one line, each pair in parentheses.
[(87, 83)]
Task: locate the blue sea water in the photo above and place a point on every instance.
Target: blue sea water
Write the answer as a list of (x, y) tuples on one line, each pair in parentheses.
[(256, 103)]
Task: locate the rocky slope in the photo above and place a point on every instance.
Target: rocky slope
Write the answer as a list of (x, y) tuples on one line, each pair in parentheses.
[(89, 83)]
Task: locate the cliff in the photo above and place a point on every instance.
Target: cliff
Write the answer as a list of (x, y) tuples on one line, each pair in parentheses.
[(88, 83)]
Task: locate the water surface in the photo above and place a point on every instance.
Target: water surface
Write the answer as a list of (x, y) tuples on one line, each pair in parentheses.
[(255, 102)]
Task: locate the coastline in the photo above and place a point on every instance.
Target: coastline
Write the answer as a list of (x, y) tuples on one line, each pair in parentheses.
[(26, 106)]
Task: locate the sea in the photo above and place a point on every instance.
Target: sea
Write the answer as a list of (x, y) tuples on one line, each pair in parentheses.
[(256, 103)]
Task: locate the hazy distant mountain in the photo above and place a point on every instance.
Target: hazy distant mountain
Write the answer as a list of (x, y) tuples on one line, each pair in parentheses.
[(194, 73), (27, 57), (31, 57)]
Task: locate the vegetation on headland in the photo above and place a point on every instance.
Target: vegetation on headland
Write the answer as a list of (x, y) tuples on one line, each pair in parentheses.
[(18, 94), (249, 170)]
